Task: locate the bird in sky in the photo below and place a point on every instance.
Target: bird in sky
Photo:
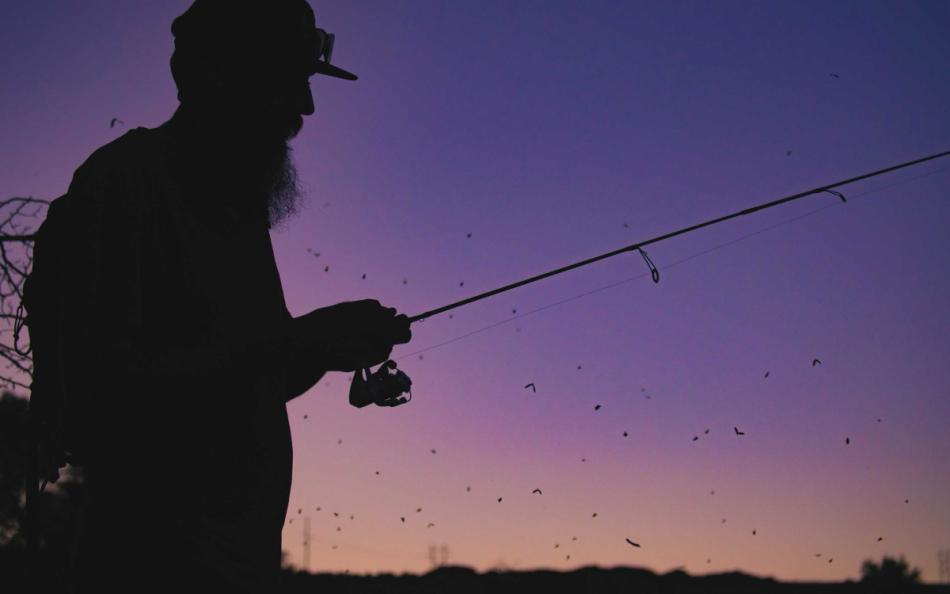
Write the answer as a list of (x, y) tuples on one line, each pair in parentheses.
[(736, 429), (538, 491), (595, 515), (433, 451), (815, 361), (418, 510), (834, 75), (468, 235), (514, 311), (377, 473), (530, 386), (556, 545), (766, 374), (326, 269), (788, 153), (695, 437), (847, 441), (596, 407), (404, 281), (499, 500), (430, 525), (830, 559), (114, 121), (468, 489), (880, 538), (753, 533), (624, 433), (364, 276), (403, 518), (462, 284), (632, 543)]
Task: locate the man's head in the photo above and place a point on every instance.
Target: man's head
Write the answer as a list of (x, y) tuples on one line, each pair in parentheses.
[(242, 69)]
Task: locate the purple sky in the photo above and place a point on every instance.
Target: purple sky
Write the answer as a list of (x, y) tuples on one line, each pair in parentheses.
[(542, 128)]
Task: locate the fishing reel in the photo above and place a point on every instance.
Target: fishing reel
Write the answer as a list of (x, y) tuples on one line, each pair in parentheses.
[(381, 388)]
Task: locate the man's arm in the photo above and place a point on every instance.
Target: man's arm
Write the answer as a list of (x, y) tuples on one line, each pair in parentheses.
[(284, 349), (104, 326), (300, 378)]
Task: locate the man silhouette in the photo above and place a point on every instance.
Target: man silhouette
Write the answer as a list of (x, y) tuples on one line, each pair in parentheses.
[(177, 340)]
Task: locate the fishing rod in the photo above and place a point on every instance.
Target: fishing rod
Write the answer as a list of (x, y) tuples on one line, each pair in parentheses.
[(638, 246), (385, 389)]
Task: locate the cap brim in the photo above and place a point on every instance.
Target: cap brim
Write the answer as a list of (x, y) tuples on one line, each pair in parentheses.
[(322, 67)]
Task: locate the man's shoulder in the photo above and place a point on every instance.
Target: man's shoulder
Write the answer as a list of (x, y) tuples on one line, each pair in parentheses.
[(135, 152), (128, 172)]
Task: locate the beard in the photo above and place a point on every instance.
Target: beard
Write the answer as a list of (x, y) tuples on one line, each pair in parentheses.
[(274, 183), (263, 172), (248, 170)]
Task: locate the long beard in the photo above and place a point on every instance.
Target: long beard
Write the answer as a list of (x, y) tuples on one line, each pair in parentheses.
[(273, 184), (249, 174)]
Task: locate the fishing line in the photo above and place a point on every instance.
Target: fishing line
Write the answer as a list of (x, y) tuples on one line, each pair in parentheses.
[(671, 265), (642, 244)]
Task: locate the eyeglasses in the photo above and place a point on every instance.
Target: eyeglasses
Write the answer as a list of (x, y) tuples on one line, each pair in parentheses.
[(324, 43)]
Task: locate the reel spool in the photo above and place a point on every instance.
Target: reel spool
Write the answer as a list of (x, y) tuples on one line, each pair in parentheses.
[(381, 388)]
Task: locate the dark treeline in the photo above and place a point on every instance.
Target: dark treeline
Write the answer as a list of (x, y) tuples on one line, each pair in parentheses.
[(462, 580)]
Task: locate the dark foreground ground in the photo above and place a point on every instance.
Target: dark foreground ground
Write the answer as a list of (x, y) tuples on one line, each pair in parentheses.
[(462, 580)]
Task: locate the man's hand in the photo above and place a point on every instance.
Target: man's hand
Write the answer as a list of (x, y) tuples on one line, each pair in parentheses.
[(354, 334)]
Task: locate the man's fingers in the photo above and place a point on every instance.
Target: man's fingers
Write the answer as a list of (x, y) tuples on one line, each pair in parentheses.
[(402, 333)]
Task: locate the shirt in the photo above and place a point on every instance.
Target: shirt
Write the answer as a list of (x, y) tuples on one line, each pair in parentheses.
[(191, 453)]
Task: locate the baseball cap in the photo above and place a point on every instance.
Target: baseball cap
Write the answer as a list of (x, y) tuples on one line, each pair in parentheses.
[(262, 33)]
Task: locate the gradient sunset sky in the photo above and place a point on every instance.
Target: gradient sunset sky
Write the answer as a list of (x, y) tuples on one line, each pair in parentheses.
[(552, 132)]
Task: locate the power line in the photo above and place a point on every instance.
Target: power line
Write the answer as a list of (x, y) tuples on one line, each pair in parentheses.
[(639, 246)]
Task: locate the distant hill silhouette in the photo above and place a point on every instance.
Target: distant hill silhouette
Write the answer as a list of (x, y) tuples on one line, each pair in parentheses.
[(627, 580)]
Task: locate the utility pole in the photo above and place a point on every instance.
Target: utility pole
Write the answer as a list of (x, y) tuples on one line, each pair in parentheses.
[(943, 562), (438, 555), (306, 544)]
